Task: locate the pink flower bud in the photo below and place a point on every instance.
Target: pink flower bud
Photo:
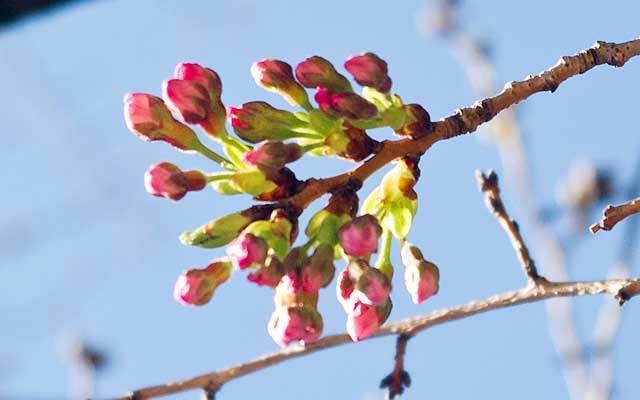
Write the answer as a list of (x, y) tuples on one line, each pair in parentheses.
[(373, 287), (410, 255), (268, 274), (297, 323), (359, 237), (318, 270), (206, 77), (167, 180), (188, 99), (422, 281), (277, 76), (369, 70), (363, 320), (316, 71), (344, 104), (246, 250), (257, 121), (149, 119), (196, 286), (345, 291), (272, 154)]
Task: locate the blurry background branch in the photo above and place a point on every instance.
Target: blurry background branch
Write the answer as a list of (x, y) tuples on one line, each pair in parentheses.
[(12, 11)]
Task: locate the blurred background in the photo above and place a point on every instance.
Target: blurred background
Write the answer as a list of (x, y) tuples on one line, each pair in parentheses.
[(88, 260)]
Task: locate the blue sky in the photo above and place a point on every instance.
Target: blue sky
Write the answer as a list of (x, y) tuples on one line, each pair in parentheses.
[(85, 251)]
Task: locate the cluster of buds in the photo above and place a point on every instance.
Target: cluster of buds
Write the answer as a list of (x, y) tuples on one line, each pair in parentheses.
[(255, 161)]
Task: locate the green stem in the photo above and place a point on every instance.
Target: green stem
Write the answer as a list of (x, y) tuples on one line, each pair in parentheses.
[(213, 156), (219, 177), (383, 263), (309, 147)]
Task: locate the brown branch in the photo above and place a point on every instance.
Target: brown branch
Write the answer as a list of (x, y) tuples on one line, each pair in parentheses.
[(466, 120), (622, 289), (488, 184), (399, 378), (614, 214)]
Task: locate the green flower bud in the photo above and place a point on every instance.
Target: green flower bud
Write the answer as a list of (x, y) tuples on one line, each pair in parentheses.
[(216, 233)]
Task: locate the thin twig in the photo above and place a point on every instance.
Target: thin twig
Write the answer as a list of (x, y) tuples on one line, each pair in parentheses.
[(614, 214), (622, 289), (488, 184), (399, 378)]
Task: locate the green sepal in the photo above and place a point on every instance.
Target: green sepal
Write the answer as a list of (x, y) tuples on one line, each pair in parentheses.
[(217, 232)]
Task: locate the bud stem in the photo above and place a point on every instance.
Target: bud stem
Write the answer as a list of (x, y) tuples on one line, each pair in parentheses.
[(218, 177), (312, 146), (213, 156), (383, 263)]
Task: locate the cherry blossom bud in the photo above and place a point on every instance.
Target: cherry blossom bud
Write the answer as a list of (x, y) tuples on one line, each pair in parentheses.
[(316, 72), (196, 286), (363, 320), (272, 154), (188, 99), (369, 70), (277, 76), (359, 237), (345, 291), (257, 121), (417, 122), (268, 274), (421, 277), (373, 287), (247, 250), (285, 184), (149, 119), (167, 180), (318, 269), (252, 181), (344, 104), (221, 231), (422, 281), (296, 323)]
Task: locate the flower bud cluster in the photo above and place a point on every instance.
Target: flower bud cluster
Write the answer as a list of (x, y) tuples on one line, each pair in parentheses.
[(256, 161)]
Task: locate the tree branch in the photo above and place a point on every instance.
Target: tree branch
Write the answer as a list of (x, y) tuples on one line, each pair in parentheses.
[(466, 120), (488, 184), (621, 289), (614, 214)]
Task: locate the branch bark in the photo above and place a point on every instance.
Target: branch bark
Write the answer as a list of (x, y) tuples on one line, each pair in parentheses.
[(614, 214), (621, 289)]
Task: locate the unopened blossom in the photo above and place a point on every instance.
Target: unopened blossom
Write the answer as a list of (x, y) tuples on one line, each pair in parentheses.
[(149, 118), (318, 270), (344, 104), (256, 121), (188, 99), (373, 287), (277, 76), (359, 237), (272, 154), (268, 274), (422, 281), (247, 250), (167, 180), (196, 286), (417, 122), (316, 72), (363, 320), (295, 323), (369, 70), (345, 291)]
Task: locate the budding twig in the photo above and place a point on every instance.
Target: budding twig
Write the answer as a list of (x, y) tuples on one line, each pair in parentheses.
[(614, 214), (488, 184), (399, 378)]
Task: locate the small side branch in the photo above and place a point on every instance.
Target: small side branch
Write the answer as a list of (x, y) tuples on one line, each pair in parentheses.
[(488, 184), (399, 378), (614, 214)]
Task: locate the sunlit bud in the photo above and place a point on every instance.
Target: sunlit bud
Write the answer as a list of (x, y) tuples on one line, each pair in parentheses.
[(150, 119), (397, 197), (218, 232), (359, 237), (422, 281), (410, 255), (277, 233), (315, 71), (167, 180), (247, 250), (354, 143), (272, 154), (196, 286), (252, 181), (344, 104), (268, 274), (277, 76), (257, 121), (188, 99), (373, 287), (285, 181), (369, 70), (363, 320), (297, 323), (417, 122)]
